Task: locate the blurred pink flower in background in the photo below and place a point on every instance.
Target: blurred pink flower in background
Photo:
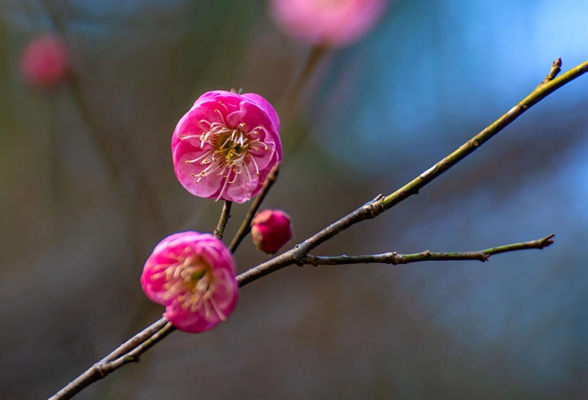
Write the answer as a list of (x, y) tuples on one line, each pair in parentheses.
[(44, 62), (270, 230), (327, 22), (193, 275), (226, 145)]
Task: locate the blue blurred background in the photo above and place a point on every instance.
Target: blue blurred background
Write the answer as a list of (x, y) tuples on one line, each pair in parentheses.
[(87, 189)]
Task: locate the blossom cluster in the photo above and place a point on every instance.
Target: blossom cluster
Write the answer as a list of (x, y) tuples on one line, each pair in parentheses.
[(44, 62), (223, 148)]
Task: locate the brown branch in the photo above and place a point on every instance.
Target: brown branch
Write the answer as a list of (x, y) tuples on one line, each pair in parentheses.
[(246, 225), (555, 69), (395, 258)]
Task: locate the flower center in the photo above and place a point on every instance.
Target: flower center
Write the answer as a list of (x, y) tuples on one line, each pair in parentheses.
[(192, 283), (230, 151)]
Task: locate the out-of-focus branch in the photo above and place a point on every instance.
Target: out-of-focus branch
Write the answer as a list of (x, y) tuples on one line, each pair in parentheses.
[(223, 220), (395, 258), (115, 166), (157, 331), (293, 96), (246, 225)]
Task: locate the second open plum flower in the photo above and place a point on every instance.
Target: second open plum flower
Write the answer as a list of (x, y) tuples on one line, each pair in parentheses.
[(226, 145), (193, 275)]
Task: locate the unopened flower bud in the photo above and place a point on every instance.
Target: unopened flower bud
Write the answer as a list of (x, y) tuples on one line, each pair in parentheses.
[(270, 230)]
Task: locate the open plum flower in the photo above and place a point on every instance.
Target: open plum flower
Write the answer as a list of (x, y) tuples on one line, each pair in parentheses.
[(193, 275), (327, 22), (226, 145)]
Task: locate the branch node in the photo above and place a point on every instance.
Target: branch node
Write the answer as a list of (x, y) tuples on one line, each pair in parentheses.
[(101, 369), (394, 258), (245, 227), (378, 198), (376, 206), (555, 69), (301, 256)]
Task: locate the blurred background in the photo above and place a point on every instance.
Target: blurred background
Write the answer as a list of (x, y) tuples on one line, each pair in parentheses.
[(87, 189)]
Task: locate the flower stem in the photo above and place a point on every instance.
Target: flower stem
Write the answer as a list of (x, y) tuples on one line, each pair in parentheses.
[(223, 220), (246, 225)]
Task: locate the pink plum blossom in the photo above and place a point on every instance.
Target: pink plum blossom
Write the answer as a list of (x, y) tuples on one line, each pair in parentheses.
[(270, 230), (193, 275), (226, 145), (44, 62), (326, 22)]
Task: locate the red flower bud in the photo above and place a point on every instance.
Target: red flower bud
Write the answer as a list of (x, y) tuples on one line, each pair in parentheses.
[(44, 63), (270, 230)]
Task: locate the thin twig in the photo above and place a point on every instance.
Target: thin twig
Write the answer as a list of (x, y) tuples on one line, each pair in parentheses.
[(223, 220), (367, 211), (534, 244), (291, 95), (246, 225), (395, 258)]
